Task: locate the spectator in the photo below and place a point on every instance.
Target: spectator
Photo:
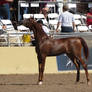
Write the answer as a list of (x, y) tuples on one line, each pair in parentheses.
[(66, 19), (89, 17), (4, 9), (14, 10)]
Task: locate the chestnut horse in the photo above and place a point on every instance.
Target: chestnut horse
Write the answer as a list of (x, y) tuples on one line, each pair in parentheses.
[(47, 46)]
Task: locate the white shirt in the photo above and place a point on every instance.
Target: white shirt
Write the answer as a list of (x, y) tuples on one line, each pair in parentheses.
[(66, 19), (46, 29)]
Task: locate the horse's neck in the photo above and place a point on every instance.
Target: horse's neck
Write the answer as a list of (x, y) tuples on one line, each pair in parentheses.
[(39, 33)]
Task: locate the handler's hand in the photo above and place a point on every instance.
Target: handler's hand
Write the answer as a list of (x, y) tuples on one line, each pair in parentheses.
[(56, 30)]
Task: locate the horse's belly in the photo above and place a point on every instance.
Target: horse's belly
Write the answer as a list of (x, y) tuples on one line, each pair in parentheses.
[(55, 53)]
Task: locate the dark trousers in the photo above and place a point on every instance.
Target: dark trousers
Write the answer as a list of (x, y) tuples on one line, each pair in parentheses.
[(4, 11), (67, 29)]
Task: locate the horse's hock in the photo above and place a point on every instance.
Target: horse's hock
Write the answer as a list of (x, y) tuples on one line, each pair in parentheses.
[(23, 60)]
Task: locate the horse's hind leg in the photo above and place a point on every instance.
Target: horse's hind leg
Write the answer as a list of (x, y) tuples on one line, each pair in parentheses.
[(86, 70), (77, 64)]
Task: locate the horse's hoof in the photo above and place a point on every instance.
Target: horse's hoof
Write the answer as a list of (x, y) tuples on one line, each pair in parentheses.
[(40, 83), (89, 83)]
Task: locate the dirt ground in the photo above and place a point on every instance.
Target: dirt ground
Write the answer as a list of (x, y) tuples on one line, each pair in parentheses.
[(51, 83)]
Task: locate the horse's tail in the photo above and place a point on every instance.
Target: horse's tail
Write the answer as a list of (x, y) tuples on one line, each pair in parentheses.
[(85, 48)]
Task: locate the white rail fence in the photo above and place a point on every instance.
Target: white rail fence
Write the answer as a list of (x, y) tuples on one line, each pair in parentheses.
[(24, 38), (15, 39)]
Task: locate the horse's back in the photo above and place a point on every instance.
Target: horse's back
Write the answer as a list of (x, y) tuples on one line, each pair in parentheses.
[(70, 40)]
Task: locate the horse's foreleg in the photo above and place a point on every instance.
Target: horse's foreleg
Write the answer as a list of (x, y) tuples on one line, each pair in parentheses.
[(41, 69), (86, 70)]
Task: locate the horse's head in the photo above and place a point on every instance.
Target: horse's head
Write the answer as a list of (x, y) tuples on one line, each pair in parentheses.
[(28, 22)]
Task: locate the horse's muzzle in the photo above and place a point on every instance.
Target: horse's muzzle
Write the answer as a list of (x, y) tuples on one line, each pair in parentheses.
[(20, 22)]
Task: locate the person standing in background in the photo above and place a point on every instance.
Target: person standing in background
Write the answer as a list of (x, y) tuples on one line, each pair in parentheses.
[(14, 10), (4, 9), (66, 19), (89, 17)]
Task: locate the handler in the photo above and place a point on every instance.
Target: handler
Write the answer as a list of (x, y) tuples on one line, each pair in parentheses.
[(66, 19)]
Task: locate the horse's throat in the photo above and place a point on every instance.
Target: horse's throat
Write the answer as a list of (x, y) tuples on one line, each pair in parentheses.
[(40, 37)]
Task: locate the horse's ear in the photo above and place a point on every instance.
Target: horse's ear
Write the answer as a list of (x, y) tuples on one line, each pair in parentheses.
[(32, 20)]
